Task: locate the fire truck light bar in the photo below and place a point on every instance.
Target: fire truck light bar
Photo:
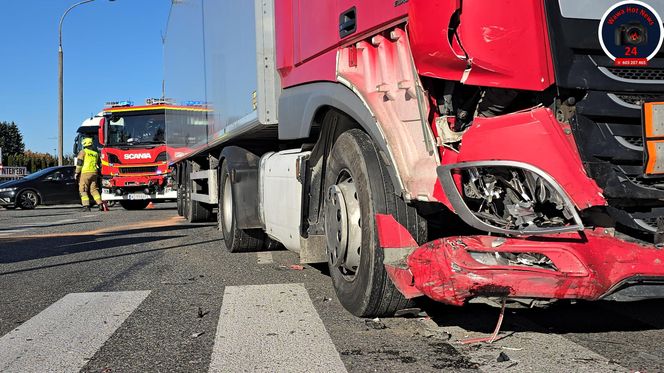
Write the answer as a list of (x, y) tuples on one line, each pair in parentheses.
[(119, 103), (159, 101), (193, 103)]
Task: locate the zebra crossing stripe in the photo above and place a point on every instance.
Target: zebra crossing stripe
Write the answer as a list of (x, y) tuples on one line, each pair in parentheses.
[(65, 335), (272, 328)]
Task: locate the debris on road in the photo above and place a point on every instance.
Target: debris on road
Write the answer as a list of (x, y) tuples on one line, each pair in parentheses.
[(176, 283), (202, 313), (375, 324), (502, 357), (326, 299), (196, 335), (494, 336), (296, 267)]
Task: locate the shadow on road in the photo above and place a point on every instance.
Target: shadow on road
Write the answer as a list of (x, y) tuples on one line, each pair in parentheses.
[(13, 251), (39, 215), (32, 226), (561, 317), (109, 257)]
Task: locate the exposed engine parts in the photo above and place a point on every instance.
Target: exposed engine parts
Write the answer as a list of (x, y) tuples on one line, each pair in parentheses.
[(460, 105), (537, 260), (514, 199)]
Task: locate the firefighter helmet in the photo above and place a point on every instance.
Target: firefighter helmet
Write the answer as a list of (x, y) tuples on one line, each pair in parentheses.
[(87, 142)]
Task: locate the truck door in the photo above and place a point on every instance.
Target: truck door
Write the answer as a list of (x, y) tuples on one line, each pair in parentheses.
[(357, 17), (59, 187), (315, 28)]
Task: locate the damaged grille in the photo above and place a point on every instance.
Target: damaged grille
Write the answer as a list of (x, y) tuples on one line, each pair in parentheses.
[(138, 170), (637, 74), (639, 98), (650, 221), (648, 183), (636, 141)]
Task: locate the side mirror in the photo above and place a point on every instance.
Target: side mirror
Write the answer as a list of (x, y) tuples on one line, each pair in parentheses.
[(102, 125)]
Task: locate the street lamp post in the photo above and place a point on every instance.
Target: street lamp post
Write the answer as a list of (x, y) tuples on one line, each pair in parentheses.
[(60, 85)]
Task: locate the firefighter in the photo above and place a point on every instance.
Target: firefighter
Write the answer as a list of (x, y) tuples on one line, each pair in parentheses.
[(87, 165)]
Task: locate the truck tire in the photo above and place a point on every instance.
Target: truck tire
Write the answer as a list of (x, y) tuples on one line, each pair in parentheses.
[(236, 240), (197, 212), (179, 201), (184, 187), (357, 187), (134, 205)]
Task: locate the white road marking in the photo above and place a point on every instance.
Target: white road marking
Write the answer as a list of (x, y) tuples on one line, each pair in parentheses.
[(11, 231), (272, 328), (64, 336), (265, 257), (50, 223)]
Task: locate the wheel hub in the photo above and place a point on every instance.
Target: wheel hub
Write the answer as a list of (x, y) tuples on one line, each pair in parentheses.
[(343, 227), (227, 205), (28, 199)]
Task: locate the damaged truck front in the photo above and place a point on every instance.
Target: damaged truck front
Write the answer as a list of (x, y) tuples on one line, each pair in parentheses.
[(447, 148), (540, 138)]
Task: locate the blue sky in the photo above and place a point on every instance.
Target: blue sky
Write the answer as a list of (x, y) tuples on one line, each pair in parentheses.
[(112, 51)]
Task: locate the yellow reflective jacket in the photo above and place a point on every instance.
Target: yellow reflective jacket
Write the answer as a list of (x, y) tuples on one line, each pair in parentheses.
[(87, 161)]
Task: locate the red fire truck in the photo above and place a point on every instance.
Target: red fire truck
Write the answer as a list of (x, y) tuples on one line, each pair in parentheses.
[(134, 157), (441, 148)]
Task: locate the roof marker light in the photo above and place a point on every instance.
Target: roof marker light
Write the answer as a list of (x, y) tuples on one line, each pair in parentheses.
[(119, 103)]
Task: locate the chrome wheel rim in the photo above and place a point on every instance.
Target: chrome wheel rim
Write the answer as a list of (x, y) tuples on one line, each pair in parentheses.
[(28, 199), (227, 205), (343, 227)]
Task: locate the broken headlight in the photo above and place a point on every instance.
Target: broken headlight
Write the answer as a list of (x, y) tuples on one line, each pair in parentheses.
[(508, 197)]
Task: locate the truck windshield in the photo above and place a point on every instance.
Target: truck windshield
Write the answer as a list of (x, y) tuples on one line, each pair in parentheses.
[(82, 133), (132, 129)]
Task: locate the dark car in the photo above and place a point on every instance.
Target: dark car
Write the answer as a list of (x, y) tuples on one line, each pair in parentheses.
[(50, 186)]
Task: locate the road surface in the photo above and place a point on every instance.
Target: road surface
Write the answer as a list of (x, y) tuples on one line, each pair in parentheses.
[(144, 291)]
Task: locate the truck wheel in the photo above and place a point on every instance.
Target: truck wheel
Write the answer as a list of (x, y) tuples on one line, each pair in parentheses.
[(358, 187), (197, 212), (236, 240), (134, 205), (179, 201), (185, 186)]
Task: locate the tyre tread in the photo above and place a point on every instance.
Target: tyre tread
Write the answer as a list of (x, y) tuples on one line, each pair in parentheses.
[(385, 299)]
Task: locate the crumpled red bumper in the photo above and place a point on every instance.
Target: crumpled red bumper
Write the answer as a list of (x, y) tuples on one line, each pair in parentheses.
[(589, 266)]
